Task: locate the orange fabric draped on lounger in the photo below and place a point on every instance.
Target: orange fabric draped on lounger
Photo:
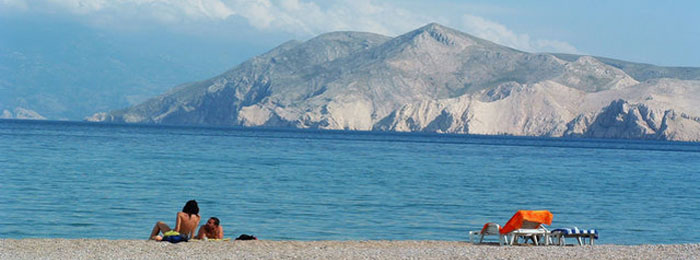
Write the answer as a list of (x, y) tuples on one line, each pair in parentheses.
[(516, 222)]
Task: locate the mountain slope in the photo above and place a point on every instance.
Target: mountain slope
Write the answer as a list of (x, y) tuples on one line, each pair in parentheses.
[(432, 79)]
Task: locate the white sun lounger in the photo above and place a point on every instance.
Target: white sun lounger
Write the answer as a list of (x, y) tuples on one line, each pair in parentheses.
[(490, 229), (580, 234), (530, 230)]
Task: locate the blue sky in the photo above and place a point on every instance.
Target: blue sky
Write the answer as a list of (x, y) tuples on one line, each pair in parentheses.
[(658, 32)]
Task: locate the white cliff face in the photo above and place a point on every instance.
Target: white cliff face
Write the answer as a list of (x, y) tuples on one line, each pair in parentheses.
[(639, 121), (21, 113), (434, 79), (552, 109), (533, 109)]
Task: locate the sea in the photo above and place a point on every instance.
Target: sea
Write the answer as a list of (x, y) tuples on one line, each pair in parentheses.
[(110, 181)]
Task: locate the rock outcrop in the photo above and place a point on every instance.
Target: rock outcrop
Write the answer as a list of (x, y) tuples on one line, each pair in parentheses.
[(21, 113), (435, 79)]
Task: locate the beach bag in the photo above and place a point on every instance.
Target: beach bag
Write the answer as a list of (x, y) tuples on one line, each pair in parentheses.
[(173, 237), (246, 237)]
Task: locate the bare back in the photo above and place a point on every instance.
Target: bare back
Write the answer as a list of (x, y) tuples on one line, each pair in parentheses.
[(186, 224)]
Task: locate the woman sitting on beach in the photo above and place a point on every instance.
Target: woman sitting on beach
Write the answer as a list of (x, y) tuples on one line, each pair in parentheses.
[(186, 223), (211, 230)]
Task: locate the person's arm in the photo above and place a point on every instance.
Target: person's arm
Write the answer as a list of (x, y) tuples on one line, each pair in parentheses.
[(178, 223), (221, 232), (200, 233)]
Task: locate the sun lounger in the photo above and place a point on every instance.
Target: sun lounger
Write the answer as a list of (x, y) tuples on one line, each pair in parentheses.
[(580, 234), (527, 224), (489, 229), (537, 235)]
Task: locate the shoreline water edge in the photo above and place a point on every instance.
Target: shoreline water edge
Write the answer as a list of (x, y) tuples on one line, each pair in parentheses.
[(376, 249)]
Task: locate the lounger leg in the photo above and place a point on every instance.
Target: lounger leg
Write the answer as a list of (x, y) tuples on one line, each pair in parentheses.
[(512, 239), (580, 242), (561, 240), (501, 240), (482, 238), (535, 238), (590, 239)]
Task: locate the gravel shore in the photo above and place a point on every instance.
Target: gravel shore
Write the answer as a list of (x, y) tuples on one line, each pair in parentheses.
[(264, 249)]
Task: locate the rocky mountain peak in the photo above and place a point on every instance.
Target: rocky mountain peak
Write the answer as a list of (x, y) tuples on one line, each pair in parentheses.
[(434, 35), (439, 34), (433, 79)]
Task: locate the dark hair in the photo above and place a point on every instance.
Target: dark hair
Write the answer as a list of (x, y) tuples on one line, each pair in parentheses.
[(191, 208), (216, 221)]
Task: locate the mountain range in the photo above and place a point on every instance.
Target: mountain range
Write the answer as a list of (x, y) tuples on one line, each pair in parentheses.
[(435, 79)]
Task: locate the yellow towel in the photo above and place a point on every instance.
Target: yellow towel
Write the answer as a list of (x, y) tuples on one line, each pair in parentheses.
[(212, 240)]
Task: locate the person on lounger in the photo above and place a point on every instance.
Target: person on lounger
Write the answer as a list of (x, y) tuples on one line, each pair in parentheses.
[(211, 230), (186, 222)]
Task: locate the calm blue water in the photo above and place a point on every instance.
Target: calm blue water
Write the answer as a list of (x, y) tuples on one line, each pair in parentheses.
[(78, 180)]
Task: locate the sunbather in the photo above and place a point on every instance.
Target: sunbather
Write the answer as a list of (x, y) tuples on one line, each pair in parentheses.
[(185, 224), (211, 230)]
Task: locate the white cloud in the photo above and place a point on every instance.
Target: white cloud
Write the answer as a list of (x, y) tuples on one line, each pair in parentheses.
[(308, 18), (259, 13), (14, 5), (304, 18), (498, 33), (124, 10), (79, 6), (214, 9), (554, 46), (301, 17)]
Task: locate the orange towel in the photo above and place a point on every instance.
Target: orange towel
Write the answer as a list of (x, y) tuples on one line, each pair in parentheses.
[(483, 229), (516, 222)]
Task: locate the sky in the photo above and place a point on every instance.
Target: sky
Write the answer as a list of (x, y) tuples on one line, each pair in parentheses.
[(658, 32)]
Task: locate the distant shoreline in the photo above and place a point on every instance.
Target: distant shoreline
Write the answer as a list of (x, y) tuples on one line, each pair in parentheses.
[(380, 249), (409, 134)]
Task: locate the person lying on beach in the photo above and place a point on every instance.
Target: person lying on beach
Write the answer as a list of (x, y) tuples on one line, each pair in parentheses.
[(185, 224), (211, 230)]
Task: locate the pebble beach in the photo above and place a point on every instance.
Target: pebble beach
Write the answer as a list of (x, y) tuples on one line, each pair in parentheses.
[(265, 249)]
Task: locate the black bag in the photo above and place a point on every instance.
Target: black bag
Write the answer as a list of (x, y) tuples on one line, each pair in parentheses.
[(246, 237)]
